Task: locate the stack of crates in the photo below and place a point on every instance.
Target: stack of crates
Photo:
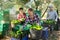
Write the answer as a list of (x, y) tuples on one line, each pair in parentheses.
[(6, 20), (1, 27), (5, 29), (6, 15), (1, 23)]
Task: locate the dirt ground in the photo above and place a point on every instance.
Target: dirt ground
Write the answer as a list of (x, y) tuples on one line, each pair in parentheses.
[(56, 36)]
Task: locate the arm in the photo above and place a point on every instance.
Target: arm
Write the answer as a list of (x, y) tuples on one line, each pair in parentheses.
[(56, 16), (47, 15), (38, 19), (26, 21), (18, 16)]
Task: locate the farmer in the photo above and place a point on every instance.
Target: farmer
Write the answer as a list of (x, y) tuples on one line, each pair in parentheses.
[(21, 14), (51, 15), (21, 17), (33, 18)]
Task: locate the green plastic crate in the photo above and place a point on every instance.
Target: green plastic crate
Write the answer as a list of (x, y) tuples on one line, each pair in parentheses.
[(5, 28), (1, 27)]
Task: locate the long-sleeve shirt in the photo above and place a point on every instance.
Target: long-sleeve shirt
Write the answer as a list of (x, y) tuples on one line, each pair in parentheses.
[(52, 15)]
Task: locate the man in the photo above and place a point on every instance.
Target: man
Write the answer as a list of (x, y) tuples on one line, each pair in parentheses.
[(52, 15), (33, 18)]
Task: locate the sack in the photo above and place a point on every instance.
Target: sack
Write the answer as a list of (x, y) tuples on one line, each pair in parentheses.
[(27, 27), (35, 34)]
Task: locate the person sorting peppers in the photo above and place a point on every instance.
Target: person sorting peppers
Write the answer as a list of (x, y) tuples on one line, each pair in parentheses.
[(33, 18), (52, 15)]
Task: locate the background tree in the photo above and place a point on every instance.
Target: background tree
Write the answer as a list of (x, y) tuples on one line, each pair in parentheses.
[(57, 5), (22, 2)]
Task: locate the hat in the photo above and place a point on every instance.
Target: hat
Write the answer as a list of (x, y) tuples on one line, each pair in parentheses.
[(50, 6)]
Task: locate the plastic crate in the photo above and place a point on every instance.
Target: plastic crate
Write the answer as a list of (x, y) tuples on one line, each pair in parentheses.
[(1, 27), (5, 29)]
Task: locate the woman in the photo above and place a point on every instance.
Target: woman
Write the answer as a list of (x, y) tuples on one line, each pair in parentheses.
[(21, 14), (33, 18)]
